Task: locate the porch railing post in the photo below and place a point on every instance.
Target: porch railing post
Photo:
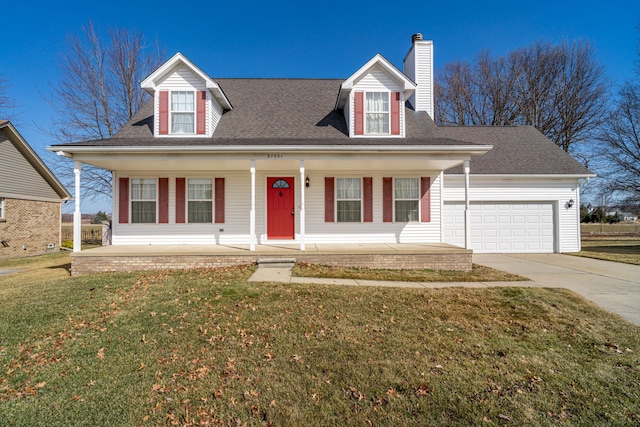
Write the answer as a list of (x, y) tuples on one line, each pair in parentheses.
[(467, 217), (77, 214), (302, 214), (252, 212)]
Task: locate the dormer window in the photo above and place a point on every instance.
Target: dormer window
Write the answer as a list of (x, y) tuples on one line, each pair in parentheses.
[(182, 112), (377, 113)]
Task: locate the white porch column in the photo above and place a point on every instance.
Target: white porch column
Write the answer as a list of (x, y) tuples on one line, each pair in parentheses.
[(77, 215), (467, 217), (252, 212), (302, 215)]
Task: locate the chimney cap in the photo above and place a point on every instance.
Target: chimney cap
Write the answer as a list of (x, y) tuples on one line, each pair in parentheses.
[(416, 37)]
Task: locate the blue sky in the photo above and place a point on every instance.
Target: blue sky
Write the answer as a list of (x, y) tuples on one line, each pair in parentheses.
[(300, 39)]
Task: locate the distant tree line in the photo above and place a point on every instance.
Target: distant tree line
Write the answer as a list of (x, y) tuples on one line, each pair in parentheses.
[(598, 215)]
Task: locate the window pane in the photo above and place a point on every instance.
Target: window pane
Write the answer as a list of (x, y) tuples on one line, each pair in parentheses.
[(200, 189), (143, 189), (182, 101), (348, 188), (143, 212), (182, 122), (349, 211), (407, 188), (200, 196), (200, 211), (406, 210), (377, 102), (377, 112)]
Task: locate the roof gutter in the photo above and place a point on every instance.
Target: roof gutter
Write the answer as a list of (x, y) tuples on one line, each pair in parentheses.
[(475, 149)]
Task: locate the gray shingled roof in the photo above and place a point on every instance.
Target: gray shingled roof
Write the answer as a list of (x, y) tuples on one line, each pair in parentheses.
[(299, 112), (516, 150)]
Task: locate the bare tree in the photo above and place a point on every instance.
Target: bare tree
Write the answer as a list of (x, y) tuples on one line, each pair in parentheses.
[(559, 89), (620, 137), (7, 102), (99, 92)]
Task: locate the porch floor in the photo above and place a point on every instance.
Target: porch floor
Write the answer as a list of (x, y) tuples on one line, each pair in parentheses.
[(437, 256)]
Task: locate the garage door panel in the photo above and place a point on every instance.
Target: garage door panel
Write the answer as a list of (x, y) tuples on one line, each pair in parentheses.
[(503, 227)]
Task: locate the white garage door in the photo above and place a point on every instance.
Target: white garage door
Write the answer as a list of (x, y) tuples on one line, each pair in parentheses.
[(502, 227)]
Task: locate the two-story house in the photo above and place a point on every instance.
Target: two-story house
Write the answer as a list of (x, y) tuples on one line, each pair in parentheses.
[(299, 162)]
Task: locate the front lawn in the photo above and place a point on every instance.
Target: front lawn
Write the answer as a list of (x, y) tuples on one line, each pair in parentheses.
[(479, 273), (618, 249), (206, 347)]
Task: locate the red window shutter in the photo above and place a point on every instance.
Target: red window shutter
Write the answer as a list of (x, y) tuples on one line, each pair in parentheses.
[(395, 113), (164, 112), (387, 199), (163, 198), (180, 200), (219, 200), (329, 208), (425, 199), (123, 201), (367, 190), (359, 116), (201, 110)]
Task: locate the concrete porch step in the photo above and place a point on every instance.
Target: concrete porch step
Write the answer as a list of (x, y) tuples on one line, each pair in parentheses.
[(276, 262)]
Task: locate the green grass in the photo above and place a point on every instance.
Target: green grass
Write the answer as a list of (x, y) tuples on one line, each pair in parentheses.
[(207, 347), (479, 273), (618, 249)]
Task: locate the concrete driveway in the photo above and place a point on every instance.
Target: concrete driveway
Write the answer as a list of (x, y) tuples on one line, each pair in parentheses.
[(611, 285)]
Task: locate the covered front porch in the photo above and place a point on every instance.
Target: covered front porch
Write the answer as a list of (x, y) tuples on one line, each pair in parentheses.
[(125, 258)]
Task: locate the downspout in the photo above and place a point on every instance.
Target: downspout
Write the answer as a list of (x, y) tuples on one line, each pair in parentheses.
[(467, 216), (252, 212), (77, 214), (302, 210)]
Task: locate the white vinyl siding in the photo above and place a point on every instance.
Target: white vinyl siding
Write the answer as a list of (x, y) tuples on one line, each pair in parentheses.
[(418, 66), (183, 79), (376, 80), (237, 206), (377, 231), (550, 190)]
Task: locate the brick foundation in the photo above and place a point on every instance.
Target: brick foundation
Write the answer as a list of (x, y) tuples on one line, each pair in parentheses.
[(28, 227), (436, 261)]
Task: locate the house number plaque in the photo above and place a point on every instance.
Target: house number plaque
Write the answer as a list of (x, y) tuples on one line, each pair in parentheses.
[(275, 156)]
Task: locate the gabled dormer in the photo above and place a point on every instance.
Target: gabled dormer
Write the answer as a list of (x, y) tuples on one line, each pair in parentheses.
[(373, 98), (187, 102)]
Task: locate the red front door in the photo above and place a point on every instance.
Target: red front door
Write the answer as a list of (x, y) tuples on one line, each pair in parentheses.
[(280, 208)]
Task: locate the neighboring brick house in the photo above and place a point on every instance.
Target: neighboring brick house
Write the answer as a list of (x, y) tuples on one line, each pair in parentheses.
[(30, 198)]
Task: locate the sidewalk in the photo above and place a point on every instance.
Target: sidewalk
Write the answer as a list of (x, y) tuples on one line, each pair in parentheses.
[(612, 286)]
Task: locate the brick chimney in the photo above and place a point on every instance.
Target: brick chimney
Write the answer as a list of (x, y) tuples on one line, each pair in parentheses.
[(418, 66)]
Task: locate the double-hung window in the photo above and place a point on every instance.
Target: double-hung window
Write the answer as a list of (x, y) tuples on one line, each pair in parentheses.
[(143, 200), (349, 199), (407, 199), (200, 200), (377, 113), (182, 112)]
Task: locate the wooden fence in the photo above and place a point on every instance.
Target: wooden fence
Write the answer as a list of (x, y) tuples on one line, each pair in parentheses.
[(91, 233), (632, 228)]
